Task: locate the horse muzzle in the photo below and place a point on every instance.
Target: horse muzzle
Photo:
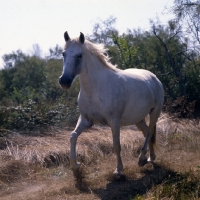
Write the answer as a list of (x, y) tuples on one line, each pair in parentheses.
[(65, 82)]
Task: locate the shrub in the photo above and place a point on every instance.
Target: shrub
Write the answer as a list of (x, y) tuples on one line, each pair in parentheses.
[(32, 115)]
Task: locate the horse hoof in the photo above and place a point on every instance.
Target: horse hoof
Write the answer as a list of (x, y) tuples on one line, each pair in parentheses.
[(75, 166), (142, 162), (151, 158), (116, 173), (77, 172), (118, 176)]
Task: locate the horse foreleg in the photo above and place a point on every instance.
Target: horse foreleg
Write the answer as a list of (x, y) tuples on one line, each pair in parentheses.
[(117, 147), (82, 125)]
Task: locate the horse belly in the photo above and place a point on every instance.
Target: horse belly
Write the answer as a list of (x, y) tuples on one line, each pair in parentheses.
[(136, 110), (133, 117), (97, 118)]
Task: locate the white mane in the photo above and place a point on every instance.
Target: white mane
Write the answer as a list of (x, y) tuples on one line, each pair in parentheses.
[(100, 51), (97, 50)]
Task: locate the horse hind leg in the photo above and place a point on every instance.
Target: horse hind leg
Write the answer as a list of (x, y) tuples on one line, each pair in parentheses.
[(154, 115), (145, 130), (152, 141)]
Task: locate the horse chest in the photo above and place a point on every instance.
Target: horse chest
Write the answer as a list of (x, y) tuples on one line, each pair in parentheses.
[(94, 110)]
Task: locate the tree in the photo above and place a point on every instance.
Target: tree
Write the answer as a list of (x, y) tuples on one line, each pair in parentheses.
[(55, 53), (187, 14), (52, 70), (127, 51), (29, 73), (103, 30), (22, 76), (36, 51), (175, 52), (10, 60)]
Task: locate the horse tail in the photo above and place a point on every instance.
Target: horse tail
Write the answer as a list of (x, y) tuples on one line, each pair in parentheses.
[(157, 140)]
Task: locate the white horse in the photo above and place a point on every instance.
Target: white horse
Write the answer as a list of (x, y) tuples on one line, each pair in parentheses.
[(110, 96)]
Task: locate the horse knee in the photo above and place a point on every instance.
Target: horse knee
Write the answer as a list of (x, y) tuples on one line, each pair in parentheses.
[(73, 137)]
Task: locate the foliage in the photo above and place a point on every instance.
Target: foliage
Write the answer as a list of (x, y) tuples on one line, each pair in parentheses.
[(103, 30), (30, 95), (188, 15), (180, 107), (126, 49), (22, 75), (179, 186), (32, 116)]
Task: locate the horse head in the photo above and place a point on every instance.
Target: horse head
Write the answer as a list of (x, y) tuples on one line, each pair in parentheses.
[(72, 59)]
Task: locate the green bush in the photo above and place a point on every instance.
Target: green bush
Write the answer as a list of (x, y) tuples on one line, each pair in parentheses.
[(34, 116)]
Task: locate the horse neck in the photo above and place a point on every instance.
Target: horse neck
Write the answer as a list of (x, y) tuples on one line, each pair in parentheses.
[(92, 74)]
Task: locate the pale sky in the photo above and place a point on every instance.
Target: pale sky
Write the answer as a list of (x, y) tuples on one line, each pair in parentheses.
[(27, 22)]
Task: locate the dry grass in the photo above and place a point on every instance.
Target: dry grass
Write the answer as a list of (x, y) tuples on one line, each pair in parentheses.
[(37, 167)]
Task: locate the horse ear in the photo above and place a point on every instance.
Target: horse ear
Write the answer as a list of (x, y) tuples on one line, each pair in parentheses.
[(66, 36), (82, 38)]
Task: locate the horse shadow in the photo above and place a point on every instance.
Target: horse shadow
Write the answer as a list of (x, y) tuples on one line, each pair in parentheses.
[(123, 187)]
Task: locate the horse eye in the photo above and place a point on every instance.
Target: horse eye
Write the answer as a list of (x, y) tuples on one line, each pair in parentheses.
[(79, 56)]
